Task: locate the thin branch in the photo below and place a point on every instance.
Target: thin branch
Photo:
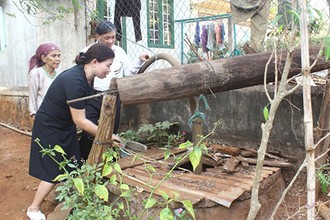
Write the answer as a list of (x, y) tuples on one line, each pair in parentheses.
[(265, 77), (287, 189)]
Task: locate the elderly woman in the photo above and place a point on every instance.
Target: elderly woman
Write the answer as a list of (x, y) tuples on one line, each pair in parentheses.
[(42, 73)]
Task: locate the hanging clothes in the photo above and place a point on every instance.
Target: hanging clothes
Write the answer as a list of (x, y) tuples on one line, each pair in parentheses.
[(210, 36), (219, 33), (223, 31), (204, 38), (128, 8), (197, 38)]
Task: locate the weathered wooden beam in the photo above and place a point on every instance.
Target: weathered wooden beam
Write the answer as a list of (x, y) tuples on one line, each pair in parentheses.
[(103, 138), (205, 77)]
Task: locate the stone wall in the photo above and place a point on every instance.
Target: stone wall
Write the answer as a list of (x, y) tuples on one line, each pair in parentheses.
[(239, 112), (14, 109)]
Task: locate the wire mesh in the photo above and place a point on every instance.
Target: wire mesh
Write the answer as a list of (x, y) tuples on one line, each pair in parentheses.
[(196, 30)]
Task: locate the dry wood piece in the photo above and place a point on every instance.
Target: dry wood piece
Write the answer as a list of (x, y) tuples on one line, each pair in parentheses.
[(254, 152), (231, 164), (273, 163), (248, 153), (245, 165), (234, 151), (324, 211)]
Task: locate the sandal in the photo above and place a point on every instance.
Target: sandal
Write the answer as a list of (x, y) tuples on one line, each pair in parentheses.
[(35, 215)]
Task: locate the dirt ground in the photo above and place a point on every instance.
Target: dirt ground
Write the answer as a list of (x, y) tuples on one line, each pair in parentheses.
[(17, 188)]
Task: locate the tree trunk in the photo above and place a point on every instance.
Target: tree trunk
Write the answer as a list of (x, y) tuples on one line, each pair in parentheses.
[(205, 77)]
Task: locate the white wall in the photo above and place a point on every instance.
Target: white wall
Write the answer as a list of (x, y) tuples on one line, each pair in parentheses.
[(23, 35)]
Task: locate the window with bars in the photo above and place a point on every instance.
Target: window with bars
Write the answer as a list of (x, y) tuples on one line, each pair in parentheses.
[(160, 23)]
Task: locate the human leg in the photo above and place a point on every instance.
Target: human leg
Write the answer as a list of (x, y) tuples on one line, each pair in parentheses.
[(44, 189)]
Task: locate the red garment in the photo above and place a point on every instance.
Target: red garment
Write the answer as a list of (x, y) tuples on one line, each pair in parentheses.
[(218, 33)]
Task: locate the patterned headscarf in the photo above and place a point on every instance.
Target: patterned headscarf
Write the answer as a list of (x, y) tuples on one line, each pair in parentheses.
[(43, 49)]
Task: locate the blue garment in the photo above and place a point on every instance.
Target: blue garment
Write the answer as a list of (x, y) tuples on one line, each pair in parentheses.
[(197, 38), (222, 31)]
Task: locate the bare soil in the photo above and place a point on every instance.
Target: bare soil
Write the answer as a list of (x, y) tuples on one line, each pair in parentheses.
[(17, 187)]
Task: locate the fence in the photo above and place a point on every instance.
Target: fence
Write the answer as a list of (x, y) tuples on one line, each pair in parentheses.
[(207, 29)]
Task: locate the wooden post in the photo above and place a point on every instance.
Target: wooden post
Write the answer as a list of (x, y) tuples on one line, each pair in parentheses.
[(103, 138), (197, 134)]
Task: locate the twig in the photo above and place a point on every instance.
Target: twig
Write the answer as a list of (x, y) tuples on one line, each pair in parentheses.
[(192, 47), (28, 133), (88, 97), (287, 189), (326, 152)]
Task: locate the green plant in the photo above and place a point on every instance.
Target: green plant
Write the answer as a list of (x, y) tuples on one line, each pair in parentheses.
[(157, 132), (130, 135), (83, 189), (323, 175)]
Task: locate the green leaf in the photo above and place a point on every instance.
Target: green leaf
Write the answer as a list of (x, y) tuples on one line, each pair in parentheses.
[(117, 167), (151, 168), (59, 149), (167, 124), (121, 206), (165, 214), (61, 177), (146, 128), (276, 19), (266, 113), (175, 195), (167, 154), (185, 145), (107, 169), (295, 15), (124, 187), (113, 179), (150, 203), (188, 205), (102, 192), (195, 157), (126, 194), (327, 48), (79, 184), (163, 194)]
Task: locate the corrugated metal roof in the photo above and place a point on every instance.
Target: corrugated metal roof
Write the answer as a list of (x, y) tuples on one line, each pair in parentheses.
[(213, 184)]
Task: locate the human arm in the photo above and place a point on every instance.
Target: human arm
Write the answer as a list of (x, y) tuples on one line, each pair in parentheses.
[(129, 67), (79, 118), (33, 85)]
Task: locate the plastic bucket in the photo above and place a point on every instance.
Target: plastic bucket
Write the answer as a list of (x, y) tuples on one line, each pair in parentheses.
[(132, 146)]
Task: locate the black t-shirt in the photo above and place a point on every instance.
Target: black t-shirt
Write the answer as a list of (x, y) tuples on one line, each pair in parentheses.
[(70, 84)]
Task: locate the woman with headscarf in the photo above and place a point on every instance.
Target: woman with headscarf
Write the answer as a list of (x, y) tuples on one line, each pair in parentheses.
[(42, 72), (56, 120)]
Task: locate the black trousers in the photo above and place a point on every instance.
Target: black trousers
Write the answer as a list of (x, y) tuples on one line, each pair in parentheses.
[(93, 109)]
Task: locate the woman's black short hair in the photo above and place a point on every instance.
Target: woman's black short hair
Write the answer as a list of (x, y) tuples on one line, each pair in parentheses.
[(98, 51)]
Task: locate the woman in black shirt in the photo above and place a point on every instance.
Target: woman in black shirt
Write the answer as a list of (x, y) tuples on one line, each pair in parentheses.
[(55, 121)]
